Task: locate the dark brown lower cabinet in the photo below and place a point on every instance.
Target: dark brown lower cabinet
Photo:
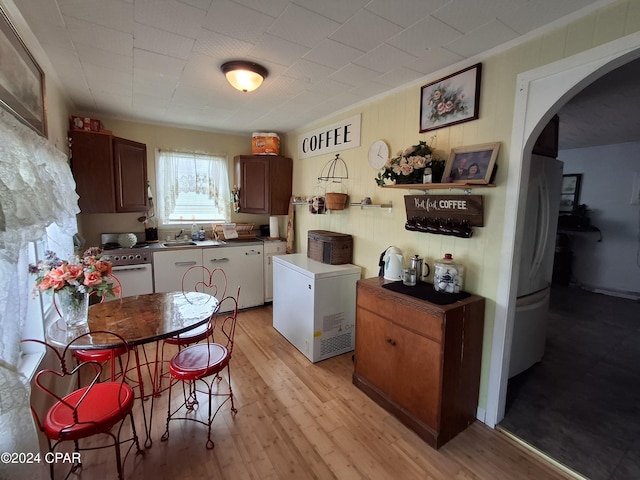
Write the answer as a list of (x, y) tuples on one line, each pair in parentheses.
[(418, 360)]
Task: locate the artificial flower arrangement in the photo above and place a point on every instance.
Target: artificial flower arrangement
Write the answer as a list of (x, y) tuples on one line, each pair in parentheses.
[(408, 166), (87, 275)]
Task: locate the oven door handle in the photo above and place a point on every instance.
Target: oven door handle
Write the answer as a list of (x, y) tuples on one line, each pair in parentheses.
[(128, 269), (185, 264)]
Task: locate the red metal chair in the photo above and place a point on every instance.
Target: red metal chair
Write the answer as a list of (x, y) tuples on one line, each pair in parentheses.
[(109, 356), (199, 279), (95, 409), (201, 364), (103, 356)]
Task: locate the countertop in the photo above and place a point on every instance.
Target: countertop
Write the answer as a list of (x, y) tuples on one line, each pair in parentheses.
[(212, 243)]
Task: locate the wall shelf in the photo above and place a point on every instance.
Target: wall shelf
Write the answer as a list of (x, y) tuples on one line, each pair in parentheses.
[(388, 206), (467, 187)]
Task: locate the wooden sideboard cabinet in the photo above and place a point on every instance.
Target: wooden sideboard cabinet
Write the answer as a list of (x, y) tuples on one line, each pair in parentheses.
[(418, 360), (265, 183), (110, 173)]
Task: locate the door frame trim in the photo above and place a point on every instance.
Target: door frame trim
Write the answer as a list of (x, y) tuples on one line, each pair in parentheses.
[(540, 93)]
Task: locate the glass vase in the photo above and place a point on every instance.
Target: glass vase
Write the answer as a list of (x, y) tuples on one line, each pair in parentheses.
[(74, 308)]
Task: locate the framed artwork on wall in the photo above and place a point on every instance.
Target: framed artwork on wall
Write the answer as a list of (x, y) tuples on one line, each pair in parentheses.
[(472, 164), (451, 100), (570, 193), (21, 79)]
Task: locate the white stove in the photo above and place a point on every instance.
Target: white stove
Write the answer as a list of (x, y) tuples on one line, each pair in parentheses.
[(133, 267)]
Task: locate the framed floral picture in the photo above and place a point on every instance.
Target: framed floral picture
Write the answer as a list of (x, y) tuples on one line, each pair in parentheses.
[(451, 100), (21, 79), (473, 164)]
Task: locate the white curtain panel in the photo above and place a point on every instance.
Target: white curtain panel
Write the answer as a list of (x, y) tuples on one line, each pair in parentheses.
[(182, 173), (36, 190)]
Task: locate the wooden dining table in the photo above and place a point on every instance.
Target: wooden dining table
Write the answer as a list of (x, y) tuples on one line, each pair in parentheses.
[(139, 320)]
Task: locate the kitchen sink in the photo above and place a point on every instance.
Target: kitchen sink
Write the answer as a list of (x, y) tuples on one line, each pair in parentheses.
[(179, 243)]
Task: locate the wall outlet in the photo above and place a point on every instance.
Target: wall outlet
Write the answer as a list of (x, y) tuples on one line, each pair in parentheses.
[(635, 191)]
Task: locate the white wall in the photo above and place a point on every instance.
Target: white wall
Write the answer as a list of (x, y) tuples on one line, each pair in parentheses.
[(612, 265)]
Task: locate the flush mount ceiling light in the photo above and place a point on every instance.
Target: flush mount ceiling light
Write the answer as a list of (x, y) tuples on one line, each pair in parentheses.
[(245, 76)]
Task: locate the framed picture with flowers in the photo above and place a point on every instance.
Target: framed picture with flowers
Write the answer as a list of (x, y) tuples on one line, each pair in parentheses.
[(22, 80), (472, 164), (451, 100)]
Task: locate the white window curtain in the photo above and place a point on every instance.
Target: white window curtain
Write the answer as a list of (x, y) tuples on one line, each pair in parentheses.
[(36, 189), (192, 187)]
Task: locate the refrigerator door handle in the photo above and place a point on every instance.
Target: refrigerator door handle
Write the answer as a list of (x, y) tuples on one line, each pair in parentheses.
[(542, 232)]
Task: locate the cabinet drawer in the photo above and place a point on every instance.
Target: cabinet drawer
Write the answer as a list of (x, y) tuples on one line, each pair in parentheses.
[(402, 312)]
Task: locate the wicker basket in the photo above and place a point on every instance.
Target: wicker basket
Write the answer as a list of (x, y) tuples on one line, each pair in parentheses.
[(245, 231), (336, 201)]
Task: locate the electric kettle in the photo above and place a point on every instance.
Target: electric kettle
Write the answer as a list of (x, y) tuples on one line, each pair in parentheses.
[(393, 264)]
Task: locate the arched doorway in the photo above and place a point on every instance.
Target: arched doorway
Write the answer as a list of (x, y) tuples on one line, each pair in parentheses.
[(539, 95)]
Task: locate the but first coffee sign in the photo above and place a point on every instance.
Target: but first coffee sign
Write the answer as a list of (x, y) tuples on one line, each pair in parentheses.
[(454, 207)]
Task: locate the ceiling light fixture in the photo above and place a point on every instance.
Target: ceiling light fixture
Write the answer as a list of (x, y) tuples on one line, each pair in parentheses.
[(245, 76)]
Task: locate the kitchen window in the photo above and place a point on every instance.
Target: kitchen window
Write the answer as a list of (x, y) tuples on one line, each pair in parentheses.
[(192, 188), (40, 311)]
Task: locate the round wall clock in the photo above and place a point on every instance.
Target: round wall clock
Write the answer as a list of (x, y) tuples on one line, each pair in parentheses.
[(378, 154)]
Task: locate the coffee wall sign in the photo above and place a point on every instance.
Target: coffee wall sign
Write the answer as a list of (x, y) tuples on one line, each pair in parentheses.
[(331, 138), (444, 214)]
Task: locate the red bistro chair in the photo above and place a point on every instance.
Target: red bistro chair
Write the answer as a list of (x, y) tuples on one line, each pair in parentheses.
[(201, 364), (92, 410), (199, 279), (109, 356), (103, 356)]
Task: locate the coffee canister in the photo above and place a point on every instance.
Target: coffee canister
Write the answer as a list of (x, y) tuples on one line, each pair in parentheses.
[(448, 276)]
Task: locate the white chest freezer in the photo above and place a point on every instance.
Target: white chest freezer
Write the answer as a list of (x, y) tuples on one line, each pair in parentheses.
[(314, 305)]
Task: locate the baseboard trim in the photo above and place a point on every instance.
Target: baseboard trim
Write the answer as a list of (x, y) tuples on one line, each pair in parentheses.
[(629, 295), (481, 414)]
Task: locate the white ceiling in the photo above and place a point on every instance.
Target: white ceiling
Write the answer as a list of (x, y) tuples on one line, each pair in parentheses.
[(157, 61)]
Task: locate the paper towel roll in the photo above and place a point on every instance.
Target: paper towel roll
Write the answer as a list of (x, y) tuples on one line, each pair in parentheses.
[(273, 227)]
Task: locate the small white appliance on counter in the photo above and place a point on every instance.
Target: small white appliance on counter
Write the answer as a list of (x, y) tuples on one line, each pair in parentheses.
[(314, 305)]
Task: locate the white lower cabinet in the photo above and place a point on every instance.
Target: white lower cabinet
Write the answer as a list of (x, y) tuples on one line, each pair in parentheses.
[(271, 248), (170, 265), (243, 265)]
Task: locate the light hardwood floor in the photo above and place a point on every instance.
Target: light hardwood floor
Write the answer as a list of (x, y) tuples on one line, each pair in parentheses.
[(297, 420)]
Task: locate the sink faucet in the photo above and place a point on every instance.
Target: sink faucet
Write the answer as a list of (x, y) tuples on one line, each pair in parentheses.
[(179, 234)]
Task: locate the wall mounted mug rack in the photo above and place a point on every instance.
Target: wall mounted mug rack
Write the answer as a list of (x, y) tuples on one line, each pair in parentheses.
[(440, 226)]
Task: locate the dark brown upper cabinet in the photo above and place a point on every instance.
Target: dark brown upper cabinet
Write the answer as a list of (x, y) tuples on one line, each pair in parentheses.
[(265, 183), (110, 173)]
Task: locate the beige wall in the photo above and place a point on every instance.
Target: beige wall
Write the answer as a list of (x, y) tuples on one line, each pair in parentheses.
[(162, 137), (395, 119)]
